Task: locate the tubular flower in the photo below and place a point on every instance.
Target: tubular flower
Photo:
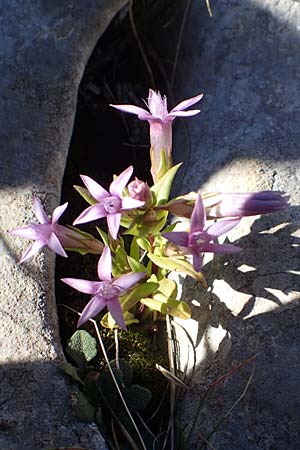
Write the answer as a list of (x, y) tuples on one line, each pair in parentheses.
[(47, 232), (199, 240), (160, 121), (106, 292), (140, 191), (245, 204), (109, 204)]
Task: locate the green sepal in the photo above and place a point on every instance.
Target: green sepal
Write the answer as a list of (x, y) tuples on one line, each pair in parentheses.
[(161, 189), (85, 194)]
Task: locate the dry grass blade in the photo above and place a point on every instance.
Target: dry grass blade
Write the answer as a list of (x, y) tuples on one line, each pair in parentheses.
[(171, 377)]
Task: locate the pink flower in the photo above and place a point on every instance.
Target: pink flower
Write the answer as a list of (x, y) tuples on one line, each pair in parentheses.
[(160, 121), (47, 232), (240, 204), (199, 240), (106, 292), (139, 190), (109, 204)]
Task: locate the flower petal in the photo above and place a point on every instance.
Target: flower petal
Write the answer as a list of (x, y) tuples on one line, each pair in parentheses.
[(93, 212), (113, 222), (55, 245), (105, 264), (197, 261), (191, 112), (58, 212), (187, 103), (115, 309), (39, 211), (85, 286), (131, 109), (95, 305), (221, 227), (96, 191), (198, 216), (127, 281), (32, 250), (35, 231), (117, 186), (131, 203), (180, 238)]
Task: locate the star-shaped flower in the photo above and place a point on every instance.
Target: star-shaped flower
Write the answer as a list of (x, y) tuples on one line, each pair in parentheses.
[(199, 240), (109, 204), (160, 121), (44, 233), (106, 292)]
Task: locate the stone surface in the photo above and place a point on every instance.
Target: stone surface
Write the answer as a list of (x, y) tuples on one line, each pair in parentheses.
[(44, 47), (246, 61)]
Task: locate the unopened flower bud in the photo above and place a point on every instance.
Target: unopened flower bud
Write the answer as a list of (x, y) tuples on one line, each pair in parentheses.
[(139, 190)]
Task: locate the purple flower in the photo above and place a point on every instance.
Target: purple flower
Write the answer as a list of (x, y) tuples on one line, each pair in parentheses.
[(109, 204), (160, 121), (139, 190), (245, 204), (47, 232), (199, 240), (106, 292)]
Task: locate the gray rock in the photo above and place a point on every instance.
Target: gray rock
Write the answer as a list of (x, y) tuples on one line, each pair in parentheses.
[(44, 48), (246, 61)]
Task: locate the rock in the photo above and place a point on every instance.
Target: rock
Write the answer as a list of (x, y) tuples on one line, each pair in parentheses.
[(44, 48), (246, 60)]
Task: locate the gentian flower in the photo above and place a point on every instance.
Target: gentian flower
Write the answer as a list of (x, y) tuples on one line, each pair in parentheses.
[(139, 190), (199, 240), (47, 232), (160, 121), (109, 204), (245, 204), (106, 292)]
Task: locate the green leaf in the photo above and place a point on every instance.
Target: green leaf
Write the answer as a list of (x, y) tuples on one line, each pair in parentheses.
[(177, 265), (71, 370), (135, 265), (82, 347), (176, 308), (125, 368), (104, 236), (83, 409), (85, 194), (167, 287), (134, 249), (144, 244), (137, 397), (161, 189)]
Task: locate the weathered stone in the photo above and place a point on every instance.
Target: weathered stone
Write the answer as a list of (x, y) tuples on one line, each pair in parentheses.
[(246, 61), (44, 47)]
